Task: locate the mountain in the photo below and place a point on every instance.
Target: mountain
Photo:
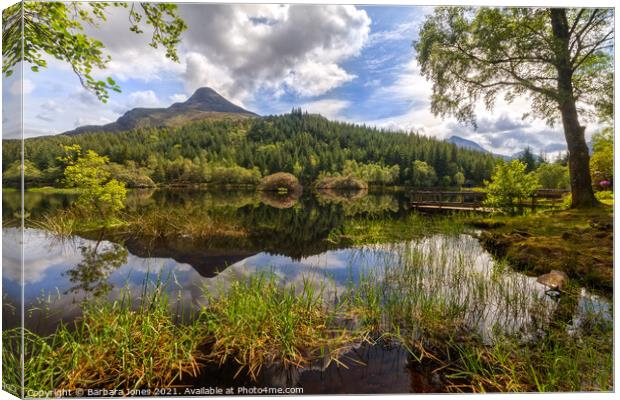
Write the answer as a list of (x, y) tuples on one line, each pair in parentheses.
[(466, 144), (203, 104), (471, 145)]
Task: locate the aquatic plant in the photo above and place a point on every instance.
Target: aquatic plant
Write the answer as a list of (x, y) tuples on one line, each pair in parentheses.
[(259, 322), (115, 345)]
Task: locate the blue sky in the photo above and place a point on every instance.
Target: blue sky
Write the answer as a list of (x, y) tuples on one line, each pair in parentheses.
[(345, 62)]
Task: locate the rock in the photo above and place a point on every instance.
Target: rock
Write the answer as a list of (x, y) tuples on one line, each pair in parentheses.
[(554, 280)]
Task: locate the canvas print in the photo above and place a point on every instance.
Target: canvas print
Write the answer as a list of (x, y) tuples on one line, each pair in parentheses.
[(294, 199)]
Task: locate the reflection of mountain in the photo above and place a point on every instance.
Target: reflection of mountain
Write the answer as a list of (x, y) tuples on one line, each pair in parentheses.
[(205, 260)]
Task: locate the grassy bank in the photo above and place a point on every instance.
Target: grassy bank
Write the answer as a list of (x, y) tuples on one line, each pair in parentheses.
[(578, 242)]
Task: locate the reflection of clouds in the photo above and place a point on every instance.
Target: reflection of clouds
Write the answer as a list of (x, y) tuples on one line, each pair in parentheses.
[(48, 261), (331, 270), (453, 269), (40, 254), (155, 265)]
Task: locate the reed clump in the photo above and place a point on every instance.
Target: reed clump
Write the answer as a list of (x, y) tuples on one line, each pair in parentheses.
[(258, 322), (115, 345)]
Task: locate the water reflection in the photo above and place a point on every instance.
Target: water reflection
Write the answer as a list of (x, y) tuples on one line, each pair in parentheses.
[(99, 260), (455, 269)]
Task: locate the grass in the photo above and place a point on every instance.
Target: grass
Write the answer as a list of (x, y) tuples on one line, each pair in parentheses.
[(51, 189), (579, 242), (367, 230), (486, 327), (258, 322), (489, 329), (557, 362), (66, 222), (113, 346)]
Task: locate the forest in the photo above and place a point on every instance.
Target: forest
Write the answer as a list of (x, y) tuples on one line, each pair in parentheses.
[(242, 151)]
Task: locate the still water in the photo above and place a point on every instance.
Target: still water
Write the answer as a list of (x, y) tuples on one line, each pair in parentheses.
[(289, 239)]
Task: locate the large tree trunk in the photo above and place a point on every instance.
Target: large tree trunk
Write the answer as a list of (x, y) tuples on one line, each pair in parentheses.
[(579, 159)]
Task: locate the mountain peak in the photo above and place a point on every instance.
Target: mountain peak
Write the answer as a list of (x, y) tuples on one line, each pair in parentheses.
[(207, 99), (205, 103)]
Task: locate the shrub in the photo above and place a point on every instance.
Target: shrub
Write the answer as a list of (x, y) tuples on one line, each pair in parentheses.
[(280, 182), (509, 183), (604, 195), (98, 191)]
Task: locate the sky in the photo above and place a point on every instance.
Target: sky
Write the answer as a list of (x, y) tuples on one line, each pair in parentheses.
[(349, 63)]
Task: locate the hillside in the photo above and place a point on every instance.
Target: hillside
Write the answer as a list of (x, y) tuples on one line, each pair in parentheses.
[(241, 151), (205, 103)]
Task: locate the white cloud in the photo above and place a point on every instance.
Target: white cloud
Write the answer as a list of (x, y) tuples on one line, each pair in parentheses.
[(329, 108), (274, 47), (178, 97), (144, 98), (91, 120), (500, 130), (51, 106), (25, 87), (240, 49), (313, 79)]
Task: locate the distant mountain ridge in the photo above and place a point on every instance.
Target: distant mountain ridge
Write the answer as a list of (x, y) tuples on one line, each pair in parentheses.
[(471, 145), (205, 103)]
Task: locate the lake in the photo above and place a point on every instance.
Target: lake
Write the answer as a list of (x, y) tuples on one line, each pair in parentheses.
[(299, 241)]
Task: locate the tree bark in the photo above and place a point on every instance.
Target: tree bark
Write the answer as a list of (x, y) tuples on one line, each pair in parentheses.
[(579, 158)]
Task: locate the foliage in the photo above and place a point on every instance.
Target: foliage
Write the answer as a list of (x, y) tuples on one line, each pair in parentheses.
[(98, 191), (458, 179), (510, 182), (422, 174), (280, 182), (305, 146), (220, 174), (560, 58), (130, 174), (602, 160), (371, 172), (13, 174), (553, 176), (56, 29), (479, 54), (340, 183), (113, 346)]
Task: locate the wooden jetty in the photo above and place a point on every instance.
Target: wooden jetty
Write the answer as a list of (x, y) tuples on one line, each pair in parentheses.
[(473, 200)]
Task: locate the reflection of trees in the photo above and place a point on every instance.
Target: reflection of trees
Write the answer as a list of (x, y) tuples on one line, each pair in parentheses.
[(357, 202), (92, 273), (36, 204), (295, 231), (280, 200)]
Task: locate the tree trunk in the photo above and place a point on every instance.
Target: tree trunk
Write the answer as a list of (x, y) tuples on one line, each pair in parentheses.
[(579, 158)]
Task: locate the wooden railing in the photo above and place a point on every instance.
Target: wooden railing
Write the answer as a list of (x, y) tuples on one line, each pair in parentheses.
[(473, 200)]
